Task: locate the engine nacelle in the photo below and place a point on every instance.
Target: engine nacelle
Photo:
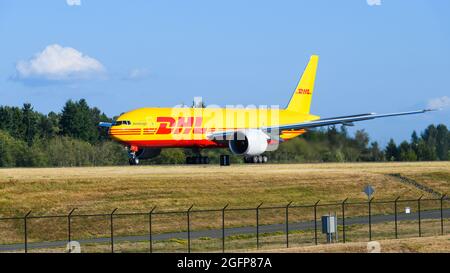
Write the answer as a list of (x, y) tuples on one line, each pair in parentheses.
[(147, 153), (249, 142)]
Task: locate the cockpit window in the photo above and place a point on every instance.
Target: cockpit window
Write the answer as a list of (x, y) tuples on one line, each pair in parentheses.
[(121, 122)]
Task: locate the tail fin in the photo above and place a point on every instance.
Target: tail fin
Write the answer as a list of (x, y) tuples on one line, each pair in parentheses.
[(301, 99)]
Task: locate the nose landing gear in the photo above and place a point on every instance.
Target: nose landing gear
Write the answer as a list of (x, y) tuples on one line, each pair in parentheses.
[(133, 161), (132, 158)]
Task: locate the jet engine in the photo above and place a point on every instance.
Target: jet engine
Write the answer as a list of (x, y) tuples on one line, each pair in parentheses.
[(249, 142)]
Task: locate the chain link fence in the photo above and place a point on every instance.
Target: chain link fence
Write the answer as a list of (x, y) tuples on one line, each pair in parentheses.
[(225, 229)]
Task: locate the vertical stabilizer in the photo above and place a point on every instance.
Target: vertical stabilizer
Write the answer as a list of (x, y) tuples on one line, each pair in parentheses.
[(301, 99)]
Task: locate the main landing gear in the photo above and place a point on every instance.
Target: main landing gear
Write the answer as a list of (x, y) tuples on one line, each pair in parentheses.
[(256, 159), (197, 158)]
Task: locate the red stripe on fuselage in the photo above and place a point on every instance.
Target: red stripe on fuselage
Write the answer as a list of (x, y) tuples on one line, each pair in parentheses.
[(175, 143), (125, 129)]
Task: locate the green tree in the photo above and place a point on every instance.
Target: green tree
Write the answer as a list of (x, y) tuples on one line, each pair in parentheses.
[(406, 153), (6, 153), (361, 141), (11, 121), (80, 121), (429, 135), (170, 156), (13, 152), (333, 136), (29, 121), (375, 153), (391, 152), (442, 142), (425, 152)]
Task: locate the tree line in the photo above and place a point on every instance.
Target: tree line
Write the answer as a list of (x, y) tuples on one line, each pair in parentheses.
[(336, 145), (72, 138), (69, 138)]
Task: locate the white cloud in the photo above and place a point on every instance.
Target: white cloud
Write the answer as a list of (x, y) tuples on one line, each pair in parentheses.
[(73, 2), (439, 103), (374, 2), (57, 63), (138, 74)]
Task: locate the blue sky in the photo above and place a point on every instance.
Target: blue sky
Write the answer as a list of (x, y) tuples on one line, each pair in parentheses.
[(122, 55)]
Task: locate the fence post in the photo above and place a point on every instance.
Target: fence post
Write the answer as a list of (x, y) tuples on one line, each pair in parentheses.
[(111, 225), (370, 219), (343, 219), (25, 231), (69, 228), (287, 224), (420, 220), (257, 225), (223, 228), (395, 216), (315, 221), (189, 227), (150, 229), (442, 214)]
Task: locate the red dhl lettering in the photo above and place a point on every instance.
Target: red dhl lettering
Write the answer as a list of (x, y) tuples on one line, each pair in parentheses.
[(180, 125), (303, 91)]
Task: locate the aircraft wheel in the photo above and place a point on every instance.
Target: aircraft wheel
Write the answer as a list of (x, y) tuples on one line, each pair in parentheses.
[(264, 159), (205, 160), (257, 159), (133, 161), (197, 160)]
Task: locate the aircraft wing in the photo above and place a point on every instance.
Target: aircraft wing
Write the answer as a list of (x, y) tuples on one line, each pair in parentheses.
[(344, 120)]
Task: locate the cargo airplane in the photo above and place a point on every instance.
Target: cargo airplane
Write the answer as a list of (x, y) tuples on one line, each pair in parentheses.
[(245, 131)]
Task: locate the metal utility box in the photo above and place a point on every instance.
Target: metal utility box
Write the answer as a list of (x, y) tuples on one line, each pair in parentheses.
[(329, 227), (329, 224), (224, 160)]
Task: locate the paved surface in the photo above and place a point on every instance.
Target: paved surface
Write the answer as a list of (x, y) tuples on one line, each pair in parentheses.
[(217, 233)]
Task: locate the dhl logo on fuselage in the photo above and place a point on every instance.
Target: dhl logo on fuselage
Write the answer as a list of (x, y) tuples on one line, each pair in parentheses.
[(180, 125)]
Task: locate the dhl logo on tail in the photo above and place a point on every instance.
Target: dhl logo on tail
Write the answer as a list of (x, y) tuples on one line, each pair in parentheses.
[(303, 91)]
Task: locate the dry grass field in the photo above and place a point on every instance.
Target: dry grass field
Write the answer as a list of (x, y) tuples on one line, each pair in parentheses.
[(101, 189), (410, 245), (432, 244), (49, 191)]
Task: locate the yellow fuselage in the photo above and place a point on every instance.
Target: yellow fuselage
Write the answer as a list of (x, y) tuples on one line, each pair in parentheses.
[(186, 127)]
